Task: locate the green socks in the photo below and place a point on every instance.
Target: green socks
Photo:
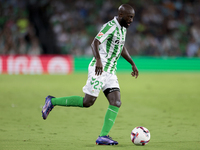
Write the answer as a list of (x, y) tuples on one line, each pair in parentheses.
[(109, 119), (75, 101)]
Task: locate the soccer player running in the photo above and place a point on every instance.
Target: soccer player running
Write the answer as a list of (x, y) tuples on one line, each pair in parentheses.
[(107, 47)]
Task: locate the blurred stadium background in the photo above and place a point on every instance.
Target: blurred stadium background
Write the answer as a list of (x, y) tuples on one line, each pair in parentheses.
[(54, 37), (161, 28)]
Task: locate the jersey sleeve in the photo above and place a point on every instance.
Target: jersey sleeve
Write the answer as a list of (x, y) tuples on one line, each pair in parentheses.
[(105, 32)]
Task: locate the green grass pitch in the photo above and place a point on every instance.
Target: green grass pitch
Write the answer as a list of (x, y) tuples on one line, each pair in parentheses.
[(168, 104)]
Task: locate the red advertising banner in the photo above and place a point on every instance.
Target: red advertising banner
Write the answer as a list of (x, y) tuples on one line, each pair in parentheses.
[(43, 64)]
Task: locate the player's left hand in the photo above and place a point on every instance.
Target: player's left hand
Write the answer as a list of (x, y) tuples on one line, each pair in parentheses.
[(135, 72)]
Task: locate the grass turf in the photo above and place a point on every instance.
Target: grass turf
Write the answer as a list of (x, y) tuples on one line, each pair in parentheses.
[(165, 103)]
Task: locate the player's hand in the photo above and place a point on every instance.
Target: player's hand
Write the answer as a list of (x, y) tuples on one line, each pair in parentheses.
[(135, 72), (99, 67)]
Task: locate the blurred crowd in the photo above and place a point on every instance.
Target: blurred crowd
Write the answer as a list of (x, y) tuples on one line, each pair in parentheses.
[(160, 27)]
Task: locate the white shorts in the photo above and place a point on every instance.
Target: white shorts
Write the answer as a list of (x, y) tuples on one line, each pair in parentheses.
[(95, 83)]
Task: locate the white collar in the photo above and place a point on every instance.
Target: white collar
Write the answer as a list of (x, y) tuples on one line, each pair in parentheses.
[(116, 21)]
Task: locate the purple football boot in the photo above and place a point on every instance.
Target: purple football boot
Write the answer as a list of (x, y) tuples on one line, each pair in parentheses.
[(105, 140), (47, 107)]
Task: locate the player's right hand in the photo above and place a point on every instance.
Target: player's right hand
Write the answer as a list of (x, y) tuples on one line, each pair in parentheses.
[(99, 67)]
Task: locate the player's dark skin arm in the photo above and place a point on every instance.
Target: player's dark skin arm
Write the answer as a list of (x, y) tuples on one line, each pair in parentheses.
[(95, 49), (114, 97), (89, 100), (125, 55)]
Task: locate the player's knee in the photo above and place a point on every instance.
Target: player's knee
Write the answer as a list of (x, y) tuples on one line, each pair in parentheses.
[(116, 103), (88, 102)]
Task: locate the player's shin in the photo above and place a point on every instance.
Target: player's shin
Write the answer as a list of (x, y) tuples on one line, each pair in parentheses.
[(109, 120), (74, 101)]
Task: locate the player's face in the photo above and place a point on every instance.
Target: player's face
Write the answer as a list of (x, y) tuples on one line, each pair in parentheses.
[(127, 19)]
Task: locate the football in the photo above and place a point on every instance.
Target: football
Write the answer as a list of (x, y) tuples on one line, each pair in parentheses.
[(140, 136)]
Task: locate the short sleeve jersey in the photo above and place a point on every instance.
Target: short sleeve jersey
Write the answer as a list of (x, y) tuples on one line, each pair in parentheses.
[(112, 38)]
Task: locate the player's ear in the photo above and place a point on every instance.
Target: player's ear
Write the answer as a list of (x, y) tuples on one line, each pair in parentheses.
[(120, 16)]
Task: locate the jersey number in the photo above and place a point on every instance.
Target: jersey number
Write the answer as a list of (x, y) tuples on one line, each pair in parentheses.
[(97, 84)]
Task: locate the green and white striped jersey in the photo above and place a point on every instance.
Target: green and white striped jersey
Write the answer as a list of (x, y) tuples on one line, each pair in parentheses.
[(112, 37)]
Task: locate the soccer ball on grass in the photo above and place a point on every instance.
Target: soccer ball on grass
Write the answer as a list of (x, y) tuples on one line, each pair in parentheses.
[(140, 135)]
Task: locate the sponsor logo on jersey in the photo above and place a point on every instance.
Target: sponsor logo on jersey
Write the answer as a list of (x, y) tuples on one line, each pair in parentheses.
[(119, 42), (100, 34), (116, 41)]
